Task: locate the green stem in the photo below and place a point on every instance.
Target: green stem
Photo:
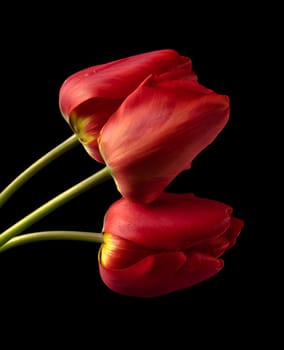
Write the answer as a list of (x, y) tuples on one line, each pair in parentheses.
[(35, 167), (94, 180), (52, 235)]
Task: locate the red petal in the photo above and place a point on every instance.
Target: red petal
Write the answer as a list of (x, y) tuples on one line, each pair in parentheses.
[(234, 231), (218, 245), (160, 274), (157, 132), (118, 78), (172, 222)]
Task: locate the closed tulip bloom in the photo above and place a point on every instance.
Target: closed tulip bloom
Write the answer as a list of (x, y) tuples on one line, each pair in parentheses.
[(157, 132), (168, 245), (89, 97)]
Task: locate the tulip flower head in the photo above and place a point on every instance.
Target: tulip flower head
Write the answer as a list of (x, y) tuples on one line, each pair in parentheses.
[(171, 244), (157, 132), (89, 97)]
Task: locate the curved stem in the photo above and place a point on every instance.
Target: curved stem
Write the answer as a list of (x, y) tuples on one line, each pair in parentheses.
[(54, 203), (35, 167), (52, 235)]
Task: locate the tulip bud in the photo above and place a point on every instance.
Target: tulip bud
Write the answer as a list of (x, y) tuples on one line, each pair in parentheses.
[(89, 97), (171, 244)]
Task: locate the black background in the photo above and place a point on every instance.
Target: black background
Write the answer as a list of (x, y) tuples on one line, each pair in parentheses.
[(54, 288)]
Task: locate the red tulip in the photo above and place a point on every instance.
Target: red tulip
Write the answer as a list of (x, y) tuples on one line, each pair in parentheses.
[(89, 97), (168, 245), (158, 130)]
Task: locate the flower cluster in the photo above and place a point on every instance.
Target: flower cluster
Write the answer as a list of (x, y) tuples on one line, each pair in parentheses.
[(145, 118)]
